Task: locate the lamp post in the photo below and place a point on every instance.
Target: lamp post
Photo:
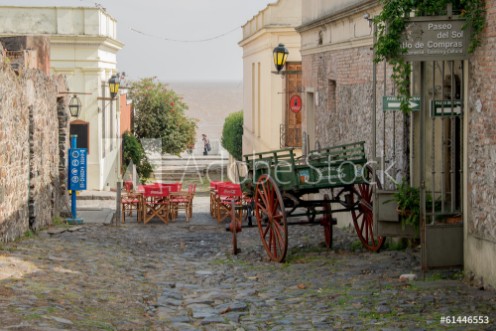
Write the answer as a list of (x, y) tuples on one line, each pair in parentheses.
[(114, 83), (280, 57)]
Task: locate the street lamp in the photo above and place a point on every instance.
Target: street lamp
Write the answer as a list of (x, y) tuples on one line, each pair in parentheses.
[(114, 83), (114, 86), (74, 106), (280, 57)]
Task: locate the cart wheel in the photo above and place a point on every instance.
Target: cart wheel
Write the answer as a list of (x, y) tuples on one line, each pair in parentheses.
[(326, 221), (271, 218), (363, 217)]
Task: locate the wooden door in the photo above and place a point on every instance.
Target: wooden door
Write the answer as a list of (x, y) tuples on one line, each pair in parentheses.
[(292, 125)]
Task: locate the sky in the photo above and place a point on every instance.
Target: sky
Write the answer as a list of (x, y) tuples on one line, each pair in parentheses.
[(164, 38)]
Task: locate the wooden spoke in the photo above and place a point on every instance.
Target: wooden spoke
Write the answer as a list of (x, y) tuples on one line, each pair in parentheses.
[(271, 218), (363, 217)]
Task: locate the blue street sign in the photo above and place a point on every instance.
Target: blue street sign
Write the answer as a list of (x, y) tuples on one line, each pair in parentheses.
[(77, 168)]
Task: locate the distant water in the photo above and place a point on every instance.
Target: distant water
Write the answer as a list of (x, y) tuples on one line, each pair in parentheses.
[(210, 103)]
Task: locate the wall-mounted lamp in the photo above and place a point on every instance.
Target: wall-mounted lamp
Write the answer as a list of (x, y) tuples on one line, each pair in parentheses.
[(74, 106), (280, 57), (114, 83)]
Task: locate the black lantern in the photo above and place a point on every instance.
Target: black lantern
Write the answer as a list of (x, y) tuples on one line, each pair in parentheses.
[(280, 57), (114, 85), (74, 106)]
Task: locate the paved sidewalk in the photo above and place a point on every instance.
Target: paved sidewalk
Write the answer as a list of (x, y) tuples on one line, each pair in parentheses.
[(96, 207)]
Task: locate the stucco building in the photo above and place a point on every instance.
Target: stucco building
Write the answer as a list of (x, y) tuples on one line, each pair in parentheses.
[(268, 122), (84, 46)]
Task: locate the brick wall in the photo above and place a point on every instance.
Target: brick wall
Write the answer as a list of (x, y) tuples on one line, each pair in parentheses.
[(347, 116)]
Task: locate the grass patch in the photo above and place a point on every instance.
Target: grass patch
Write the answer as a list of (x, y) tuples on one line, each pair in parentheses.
[(356, 246), (394, 244), (28, 234), (33, 316)]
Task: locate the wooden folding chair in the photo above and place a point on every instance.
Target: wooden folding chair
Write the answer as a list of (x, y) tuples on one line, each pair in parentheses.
[(213, 196), (131, 201), (226, 194), (184, 201), (156, 203)]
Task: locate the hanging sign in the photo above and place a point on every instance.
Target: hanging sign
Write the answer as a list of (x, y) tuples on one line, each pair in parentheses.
[(77, 169), (446, 107), (394, 103), (435, 39), (295, 103)]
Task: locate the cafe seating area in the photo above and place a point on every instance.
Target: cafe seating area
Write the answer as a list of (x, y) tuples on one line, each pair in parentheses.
[(161, 201), (224, 196), (166, 202)]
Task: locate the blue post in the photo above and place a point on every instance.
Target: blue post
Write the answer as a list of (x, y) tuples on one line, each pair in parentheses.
[(74, 219), (74, 192)]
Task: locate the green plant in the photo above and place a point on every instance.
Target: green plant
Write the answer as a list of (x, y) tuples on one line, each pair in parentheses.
[(134, 153), (232, 134), (160, 114), (391, 24), (144, 170), (408, 200)]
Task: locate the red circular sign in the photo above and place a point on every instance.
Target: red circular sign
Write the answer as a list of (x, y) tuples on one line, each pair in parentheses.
[(295, 103)]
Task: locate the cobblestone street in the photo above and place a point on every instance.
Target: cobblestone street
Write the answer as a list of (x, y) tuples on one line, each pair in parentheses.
[(182, 276)]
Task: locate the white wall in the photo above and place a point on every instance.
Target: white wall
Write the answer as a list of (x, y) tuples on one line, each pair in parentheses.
[(263, 95), (84, 47)]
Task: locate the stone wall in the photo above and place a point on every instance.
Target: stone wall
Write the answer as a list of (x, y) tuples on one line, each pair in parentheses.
[(482, 135), (32, 164), (14, 156), (480, 240)]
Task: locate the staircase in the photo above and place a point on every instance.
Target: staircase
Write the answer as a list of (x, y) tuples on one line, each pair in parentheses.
[(189, 169)]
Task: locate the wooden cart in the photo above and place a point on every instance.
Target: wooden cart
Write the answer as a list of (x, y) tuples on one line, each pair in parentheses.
[(279, 186)]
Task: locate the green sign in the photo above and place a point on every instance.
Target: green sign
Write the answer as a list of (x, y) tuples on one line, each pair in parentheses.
[(393, 103), (446, 107)]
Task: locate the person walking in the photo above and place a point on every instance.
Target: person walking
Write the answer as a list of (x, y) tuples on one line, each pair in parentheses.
[(206, 144)]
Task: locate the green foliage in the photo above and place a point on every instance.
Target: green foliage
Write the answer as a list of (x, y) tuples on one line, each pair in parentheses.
[(391, 24), (408, 199), (232, 134), (159, 114), (29, 234), (144, 170), (132, 151)]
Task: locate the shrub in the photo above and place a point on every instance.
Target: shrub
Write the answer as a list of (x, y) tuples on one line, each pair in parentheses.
[(132, 151), (232, 134)]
